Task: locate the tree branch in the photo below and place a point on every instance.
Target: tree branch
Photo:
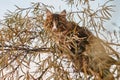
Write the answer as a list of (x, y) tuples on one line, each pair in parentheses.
[(17, 48)]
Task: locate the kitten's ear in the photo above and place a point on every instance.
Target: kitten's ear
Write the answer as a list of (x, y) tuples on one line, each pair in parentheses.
[(48, 12), (63, 13)]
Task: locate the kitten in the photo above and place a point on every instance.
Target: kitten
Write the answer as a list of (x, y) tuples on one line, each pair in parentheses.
[(87, 51), (59, 29)]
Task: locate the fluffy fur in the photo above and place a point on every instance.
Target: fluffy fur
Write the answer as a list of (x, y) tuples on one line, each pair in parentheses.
[(88, 53)]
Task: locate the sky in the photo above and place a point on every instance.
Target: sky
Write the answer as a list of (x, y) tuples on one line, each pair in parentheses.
[(10, 4), (59, 6)]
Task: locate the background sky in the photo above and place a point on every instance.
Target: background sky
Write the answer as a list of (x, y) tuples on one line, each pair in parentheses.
[(59, 5)]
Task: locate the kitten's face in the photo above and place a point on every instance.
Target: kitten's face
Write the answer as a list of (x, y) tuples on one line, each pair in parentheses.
[(55, 22)]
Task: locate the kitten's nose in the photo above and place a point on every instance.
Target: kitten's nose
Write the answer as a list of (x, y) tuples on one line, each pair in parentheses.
[(54, 29)]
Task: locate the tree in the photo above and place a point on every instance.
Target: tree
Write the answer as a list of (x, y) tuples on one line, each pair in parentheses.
[(27, 52)]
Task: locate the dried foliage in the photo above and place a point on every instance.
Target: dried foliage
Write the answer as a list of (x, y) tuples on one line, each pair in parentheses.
[(28, 53)]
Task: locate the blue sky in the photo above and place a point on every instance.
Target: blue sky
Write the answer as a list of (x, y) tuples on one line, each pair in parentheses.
[(9, 4), (58, 4)]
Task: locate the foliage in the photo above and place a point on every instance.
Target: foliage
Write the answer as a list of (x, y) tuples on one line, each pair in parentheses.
[(27, 52)]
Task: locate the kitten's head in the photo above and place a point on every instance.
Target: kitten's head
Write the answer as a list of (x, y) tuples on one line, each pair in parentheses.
[(55, 22)]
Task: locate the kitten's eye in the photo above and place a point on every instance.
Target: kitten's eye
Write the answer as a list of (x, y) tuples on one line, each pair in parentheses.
[(61, 25), (51, 23), (60, 22)]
